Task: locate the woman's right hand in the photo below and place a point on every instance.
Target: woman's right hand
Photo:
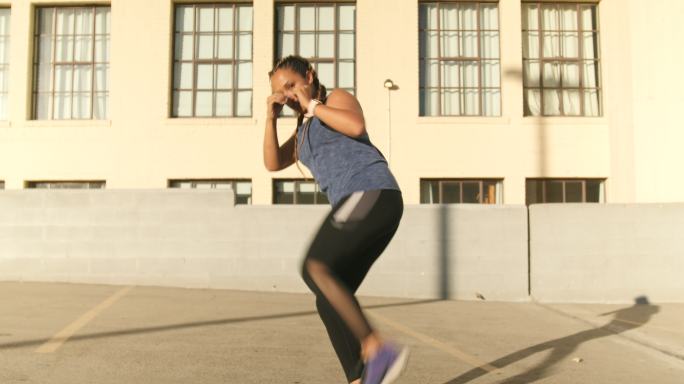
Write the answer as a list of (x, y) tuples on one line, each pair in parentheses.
[(275, 104)]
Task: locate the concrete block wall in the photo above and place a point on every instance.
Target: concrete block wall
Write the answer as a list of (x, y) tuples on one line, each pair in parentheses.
[(607, 253), (199, 238)]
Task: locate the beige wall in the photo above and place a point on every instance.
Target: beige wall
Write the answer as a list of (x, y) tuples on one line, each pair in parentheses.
[(634, 145)]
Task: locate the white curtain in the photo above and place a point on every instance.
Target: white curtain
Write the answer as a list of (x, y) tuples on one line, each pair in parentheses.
[(560, 35), (469, 67), (79, 91)]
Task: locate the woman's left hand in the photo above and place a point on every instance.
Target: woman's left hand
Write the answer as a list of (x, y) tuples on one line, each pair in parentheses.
[(303, 95)]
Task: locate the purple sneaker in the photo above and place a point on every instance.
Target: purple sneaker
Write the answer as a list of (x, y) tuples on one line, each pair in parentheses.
[(386, 366)]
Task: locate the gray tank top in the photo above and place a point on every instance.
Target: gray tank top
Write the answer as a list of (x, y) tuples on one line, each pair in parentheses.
[(340, 164)]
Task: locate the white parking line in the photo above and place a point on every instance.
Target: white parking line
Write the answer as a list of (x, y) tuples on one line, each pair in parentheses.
[(62, 336)]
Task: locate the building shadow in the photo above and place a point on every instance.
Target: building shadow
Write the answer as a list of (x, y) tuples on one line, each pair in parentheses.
[(198, 324), (559, 349)]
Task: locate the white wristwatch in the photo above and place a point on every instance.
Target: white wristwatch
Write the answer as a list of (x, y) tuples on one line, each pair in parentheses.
[(311, 107)]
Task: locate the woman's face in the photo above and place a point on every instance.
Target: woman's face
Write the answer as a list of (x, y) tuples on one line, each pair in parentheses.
[(284, 80)]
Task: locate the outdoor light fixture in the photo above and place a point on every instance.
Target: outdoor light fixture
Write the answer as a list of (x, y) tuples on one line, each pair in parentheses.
[(389, 84)]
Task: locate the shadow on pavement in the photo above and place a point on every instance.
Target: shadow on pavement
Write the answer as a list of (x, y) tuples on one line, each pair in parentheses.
[(624, 319), (208, 323)]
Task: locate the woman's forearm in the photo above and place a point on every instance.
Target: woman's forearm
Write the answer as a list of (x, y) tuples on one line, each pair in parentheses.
[(271, 146)]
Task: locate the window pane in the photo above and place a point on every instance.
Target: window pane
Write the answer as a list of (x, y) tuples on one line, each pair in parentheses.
[(568, 17), (534, 192), (84, 45), (491, 102), (489, 16), (81, 109), (591, 103), (102, 20), (244, 75), (533, 102), (589, 21), (346, 45), (451, 74), (590, 43), (44, 78), (224, 103), (468, 16), (245, 22), (326, 73), (326, 45), (451, 102), (570, 44), (84, 21), (326, 18), (552, 75), (428, 16), (307, 18), (183, 47), (571, 75), (65, 21), (450, 42), (64, 46), (62, 106), (429, 105), (471, 193), (451, 192), (572, 104), (43, 106), (182, 104), (286, 18), (470, 74), (244, 103), (429, 192), (184, 15), (46, 19), (531, 69), (531, 45), (594, 191), (448, 14), (551, 103), (489, 192), (551, 41), (225, 46), (245, 46), (469, 44), (554, 192), (286, 44), (573, 192), (224, 76), (205, 76), (100, 110), (204, 103), (205, 47), (205, 19), (102, 49), (101, 77), (83, 78), (347, 15), (63, 78), (490, 45), (491, 74), (225, 19), (307, 45)]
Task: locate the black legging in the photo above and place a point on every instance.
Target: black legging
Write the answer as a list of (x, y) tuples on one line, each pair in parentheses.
[(349, 241)]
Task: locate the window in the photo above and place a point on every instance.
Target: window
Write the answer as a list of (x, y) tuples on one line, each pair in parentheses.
[(65, 184), (71, 63), (561, 59), (2, 184), (324, 34), (297, 192), (242, 188), (460, 191), (4, 62), (564, 191), (460, 69), (212, 66)]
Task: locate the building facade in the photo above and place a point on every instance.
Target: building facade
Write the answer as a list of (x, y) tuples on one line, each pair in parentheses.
[(494, 102)]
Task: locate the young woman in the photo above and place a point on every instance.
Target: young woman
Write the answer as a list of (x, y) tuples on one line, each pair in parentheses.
[(331, 140)]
